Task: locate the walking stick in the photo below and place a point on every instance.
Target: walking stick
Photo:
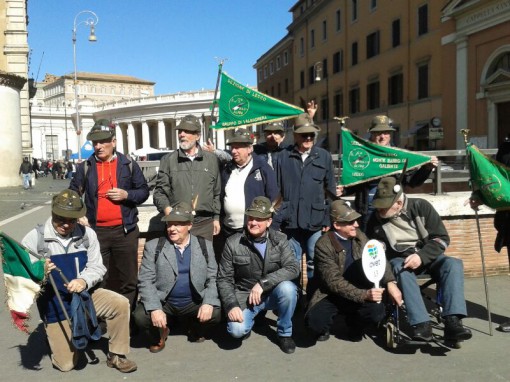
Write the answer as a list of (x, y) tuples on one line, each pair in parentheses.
[(486, 285)]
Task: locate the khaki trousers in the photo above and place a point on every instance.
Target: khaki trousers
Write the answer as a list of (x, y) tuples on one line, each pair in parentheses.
[(111, 307)]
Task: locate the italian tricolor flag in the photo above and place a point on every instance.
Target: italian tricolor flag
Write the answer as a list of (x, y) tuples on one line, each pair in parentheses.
[(23, 280)]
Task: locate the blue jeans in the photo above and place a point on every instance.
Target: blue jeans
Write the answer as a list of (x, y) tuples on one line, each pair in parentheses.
[(283, 299), (26, 180), (304, 241), (448, 272)]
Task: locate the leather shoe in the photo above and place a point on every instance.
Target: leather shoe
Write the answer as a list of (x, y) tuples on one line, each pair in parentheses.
[(323, 336), (162, 341), (422, 331), (454, 331), (287, 344), (504, 327)]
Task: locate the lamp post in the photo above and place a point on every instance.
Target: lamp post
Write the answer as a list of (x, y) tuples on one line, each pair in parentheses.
[(91, 21), (65, 121), (321, 74)]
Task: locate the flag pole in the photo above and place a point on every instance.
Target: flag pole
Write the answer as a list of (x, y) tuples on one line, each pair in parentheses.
[(465, 133), (220, 68)]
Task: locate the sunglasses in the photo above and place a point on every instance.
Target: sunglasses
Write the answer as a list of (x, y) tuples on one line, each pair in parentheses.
[(61, 221), (308, 135)]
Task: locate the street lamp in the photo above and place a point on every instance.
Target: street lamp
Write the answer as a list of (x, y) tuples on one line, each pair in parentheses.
[(91, 21), (321, 74)]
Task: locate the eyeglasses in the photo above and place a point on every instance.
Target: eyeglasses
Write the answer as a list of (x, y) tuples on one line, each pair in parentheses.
[(308, 135), (61, 220), (273, 133)]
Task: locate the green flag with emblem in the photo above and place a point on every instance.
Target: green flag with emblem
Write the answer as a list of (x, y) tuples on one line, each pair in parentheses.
[(241, 106), (490, 180), (363, 160)]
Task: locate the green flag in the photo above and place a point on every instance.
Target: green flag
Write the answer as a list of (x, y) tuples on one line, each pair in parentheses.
[(363, 160), (241, 106), (489, 179)]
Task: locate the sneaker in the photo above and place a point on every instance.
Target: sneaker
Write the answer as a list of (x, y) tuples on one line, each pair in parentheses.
[(323, 336), (422, 331), (504, 327), (453, 329), (287, 344), (121, 363)]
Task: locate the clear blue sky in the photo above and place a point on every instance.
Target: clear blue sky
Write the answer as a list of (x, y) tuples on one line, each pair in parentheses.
[(172, 43)]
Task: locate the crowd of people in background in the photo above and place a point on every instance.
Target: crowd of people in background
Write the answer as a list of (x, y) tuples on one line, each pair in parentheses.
[(58, 169)]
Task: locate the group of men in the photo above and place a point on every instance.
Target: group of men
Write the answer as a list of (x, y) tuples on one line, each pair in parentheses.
[(263, 207)]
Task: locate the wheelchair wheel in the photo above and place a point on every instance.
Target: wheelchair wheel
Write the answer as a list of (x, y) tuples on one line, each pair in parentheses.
[(391, 336)]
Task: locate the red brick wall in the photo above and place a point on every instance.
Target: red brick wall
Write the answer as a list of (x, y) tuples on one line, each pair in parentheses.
[(464, 245)]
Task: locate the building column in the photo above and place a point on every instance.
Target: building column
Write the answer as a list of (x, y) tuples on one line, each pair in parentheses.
[(131, 138), (146, 140), (492, 126), (161, 134), (462, 91), (120, 139)]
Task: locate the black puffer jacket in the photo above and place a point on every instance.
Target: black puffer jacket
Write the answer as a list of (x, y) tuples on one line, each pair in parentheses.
[(241, 267)]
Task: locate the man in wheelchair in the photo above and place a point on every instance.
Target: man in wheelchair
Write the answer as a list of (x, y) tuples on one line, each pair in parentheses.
[(416, 240)]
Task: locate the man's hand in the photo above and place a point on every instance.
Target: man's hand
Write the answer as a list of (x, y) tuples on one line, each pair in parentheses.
[(76, 285), (209, 146), (311, 108), (412, 262), (325, 228), (49, 266), (395, 293), (236, 315), (474, 203), (205, 312), (339, 190), (84, 221), (117, 194), (374, 294), (434, 161), (158, 318), (216, 227), (255, 297)]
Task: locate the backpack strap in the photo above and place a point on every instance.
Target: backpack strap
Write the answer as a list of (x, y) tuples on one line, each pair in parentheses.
[(203, 247), (42, 245), (159, 247)]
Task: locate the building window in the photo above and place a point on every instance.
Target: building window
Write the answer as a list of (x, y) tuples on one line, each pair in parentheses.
[(338, 61), (338, 20), (286, 85), (302, 79), (324, 30), (423, 81), (265, 72), (311, 75), (395, 33), (354, 53), (396, 89), (325, 108), (354, 101), (285, 58), (373, 5), (278, 63), (271, 68), (339, 104), (423, 20), (325, 71), (373, 99), (260, 78), (272, 91), (354, 14), (373, 44), (279, 90), (301, 46), (312, 38)]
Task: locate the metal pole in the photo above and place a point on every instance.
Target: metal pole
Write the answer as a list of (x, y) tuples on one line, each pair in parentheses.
[(78, 127), (220, 67), (65, 121), (485, 283)]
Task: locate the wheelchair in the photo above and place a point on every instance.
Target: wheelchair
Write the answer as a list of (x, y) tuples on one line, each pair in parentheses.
[(396, 318)]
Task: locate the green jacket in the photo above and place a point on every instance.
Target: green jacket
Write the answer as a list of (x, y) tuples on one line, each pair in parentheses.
[(181, 179)]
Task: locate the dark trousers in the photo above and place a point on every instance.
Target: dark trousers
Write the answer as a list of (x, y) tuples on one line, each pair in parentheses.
[(120, 257), (320, 316), (204, 228), (219, 240), (186, 315)]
